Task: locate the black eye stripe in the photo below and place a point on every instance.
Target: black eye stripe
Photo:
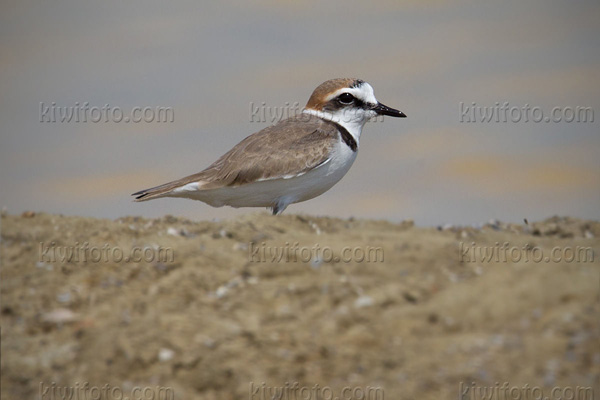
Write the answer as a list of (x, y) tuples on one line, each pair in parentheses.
[(347, 98), (360, 103), (337, 104)]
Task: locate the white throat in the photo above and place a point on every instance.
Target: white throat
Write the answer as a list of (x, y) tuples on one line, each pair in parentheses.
[(353, 122)]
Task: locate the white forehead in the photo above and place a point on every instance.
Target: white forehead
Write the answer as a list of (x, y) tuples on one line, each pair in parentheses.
[(364, 92)]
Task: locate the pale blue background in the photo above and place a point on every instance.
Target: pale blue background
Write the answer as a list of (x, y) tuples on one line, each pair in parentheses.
[(209, 61)]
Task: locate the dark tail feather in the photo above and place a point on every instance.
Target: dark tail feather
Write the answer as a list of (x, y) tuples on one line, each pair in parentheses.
[(164, 189), (153, 193)]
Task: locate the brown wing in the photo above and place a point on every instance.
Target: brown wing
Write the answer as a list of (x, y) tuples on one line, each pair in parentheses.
[(289, 148)]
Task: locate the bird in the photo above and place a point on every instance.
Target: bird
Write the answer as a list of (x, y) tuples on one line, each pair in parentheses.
[(294, 160)]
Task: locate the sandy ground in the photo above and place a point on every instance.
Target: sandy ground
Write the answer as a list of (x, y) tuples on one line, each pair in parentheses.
[(408, 310)]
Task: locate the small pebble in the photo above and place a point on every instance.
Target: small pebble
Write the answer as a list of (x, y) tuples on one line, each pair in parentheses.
[(60, 316), (177, 232), (411, 296), (239, 246), (41, 264), (64, 297), (315, 227), (222, 234), (221, 291), (364, 301), (165, 354), (316, 262), (494, 224), (173, 232)]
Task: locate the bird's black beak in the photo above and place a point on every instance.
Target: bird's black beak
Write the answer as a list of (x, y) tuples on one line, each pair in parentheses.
[(382, 109)]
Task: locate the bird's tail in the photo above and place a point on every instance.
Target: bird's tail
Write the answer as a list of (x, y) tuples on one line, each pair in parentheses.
[(154, 193), (169, 189)]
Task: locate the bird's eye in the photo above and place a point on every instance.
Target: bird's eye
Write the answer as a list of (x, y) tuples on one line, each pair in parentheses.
[(345, 98)]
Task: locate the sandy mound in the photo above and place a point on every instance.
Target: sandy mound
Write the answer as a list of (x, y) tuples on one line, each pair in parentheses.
[(215, 309)]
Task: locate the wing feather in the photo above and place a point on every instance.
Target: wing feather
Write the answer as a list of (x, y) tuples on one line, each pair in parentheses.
[(290, 148)]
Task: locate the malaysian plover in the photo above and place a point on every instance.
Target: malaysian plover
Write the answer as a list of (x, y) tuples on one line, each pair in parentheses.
[(295, 160)]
